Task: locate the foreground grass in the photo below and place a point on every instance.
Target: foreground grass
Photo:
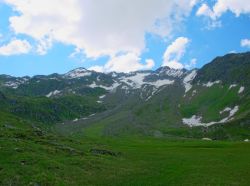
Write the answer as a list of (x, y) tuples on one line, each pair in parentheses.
[(31, 157)]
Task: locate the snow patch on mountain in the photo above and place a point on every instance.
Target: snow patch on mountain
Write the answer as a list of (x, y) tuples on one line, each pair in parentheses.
[(232, 86), (101, 97), (114, 74), (110, 88), (232, 112), (196, 120), (75, 120), (193, 121), (194, 93), (210, 84), (155, 90), (171, 72), (160, 83), (135, 81), (188, 79), (77, 73), (241, 90), (227, 109), (15, 83), (124, 87), (138, 80), (98, 78), (53, 93)]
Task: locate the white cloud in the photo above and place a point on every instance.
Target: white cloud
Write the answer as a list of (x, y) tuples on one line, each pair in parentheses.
[(15, 47), (236, 6), (174, 65), (97, 27), (221, 6), (245, 43), (124, 63), (175, 52), (204, 10), (97, 68), (191, 64), (149, 64), (44, 45), (212, 22)]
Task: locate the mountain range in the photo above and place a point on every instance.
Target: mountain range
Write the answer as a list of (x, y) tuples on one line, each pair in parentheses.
[(213, 101)]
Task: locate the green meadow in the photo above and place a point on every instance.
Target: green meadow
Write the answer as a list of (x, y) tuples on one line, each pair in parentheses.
[(36, 156)]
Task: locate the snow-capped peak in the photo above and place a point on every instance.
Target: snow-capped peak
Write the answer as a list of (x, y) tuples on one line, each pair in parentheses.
[(170, 72), (79, 72)]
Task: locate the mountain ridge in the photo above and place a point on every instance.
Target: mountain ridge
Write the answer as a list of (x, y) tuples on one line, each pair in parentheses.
[(147, 102)]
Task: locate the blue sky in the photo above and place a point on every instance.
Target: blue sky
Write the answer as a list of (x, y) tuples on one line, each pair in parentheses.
[(113, 36)]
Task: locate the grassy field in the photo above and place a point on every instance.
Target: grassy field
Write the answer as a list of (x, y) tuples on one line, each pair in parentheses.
[(30, 156)]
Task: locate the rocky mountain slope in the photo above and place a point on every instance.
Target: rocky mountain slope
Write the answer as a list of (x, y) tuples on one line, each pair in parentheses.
[(161, 102)]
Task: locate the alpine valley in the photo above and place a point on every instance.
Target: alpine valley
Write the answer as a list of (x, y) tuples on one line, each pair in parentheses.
[(91, 128)]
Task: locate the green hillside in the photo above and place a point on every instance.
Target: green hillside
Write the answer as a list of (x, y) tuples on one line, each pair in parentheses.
[(50, 111)]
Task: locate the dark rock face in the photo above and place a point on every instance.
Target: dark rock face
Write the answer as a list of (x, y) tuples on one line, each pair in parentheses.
[(231, 68)]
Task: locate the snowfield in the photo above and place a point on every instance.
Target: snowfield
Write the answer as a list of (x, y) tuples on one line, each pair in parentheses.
[(111, 88), (188, 79), (210, 84), (197, 120), (137, 81), (78, 73)]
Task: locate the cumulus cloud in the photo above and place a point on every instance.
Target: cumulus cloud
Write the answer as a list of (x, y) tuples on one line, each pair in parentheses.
[(124, 63), (175, 52), (212, 21), (97, 27), (245, 43), (15, 47), (221, 6)]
